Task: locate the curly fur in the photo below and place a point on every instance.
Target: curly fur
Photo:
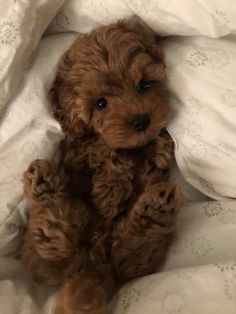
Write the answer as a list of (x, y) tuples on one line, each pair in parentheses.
[(106, 213)]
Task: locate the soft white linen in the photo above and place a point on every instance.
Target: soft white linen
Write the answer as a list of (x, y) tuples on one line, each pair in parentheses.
[(200, 272), (28, 131), (201, 74), (22, 23), (213, 18), (198, 277)]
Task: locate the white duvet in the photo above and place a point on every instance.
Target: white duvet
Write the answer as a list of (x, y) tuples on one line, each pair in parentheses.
[(199, 275)]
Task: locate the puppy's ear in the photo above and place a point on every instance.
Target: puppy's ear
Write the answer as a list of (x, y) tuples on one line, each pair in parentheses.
[(149, 38), (63, 95)]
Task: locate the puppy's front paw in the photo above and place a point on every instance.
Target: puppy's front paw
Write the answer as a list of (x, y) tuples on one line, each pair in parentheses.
[(164, 150), (161, 203), (166, 197), (52, 242), (41, 180)]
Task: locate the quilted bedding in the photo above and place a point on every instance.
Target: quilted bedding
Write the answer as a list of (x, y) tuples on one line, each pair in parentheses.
[(199, 275)]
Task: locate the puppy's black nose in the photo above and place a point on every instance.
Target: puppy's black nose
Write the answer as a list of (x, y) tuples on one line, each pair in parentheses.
[(141, 122)]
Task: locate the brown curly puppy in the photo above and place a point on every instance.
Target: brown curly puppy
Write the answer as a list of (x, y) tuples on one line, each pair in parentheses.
[(105, 214)]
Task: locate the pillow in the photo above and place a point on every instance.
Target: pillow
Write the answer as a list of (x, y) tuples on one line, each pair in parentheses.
[(22, 24), (201, 76)]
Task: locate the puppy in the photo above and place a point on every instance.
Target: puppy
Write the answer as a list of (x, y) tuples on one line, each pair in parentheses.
[(106, 213)]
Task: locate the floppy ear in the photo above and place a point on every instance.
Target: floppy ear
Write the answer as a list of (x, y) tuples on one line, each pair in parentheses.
[(150, 39), (63, 95)]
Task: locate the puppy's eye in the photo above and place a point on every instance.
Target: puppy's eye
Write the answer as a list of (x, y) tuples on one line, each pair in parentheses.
[(101, 104), (143, 86)]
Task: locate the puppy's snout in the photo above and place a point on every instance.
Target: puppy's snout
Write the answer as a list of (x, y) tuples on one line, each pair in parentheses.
[(141, 122)]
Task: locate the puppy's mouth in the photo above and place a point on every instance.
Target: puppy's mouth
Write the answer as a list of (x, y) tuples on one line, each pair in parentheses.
[(146, 137)]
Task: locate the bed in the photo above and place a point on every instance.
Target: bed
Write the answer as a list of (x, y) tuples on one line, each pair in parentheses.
[(199, 275)]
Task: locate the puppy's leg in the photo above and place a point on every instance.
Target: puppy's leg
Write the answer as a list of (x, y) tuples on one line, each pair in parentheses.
[(55, 233), (43, 181), (55, 227), (44, 271), (141, 240), (163, 150), (112, 188), (87, 292)]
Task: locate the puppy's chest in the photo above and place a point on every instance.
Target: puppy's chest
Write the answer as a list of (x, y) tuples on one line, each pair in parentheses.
[(128, 169), (93, 160), (131, 163)]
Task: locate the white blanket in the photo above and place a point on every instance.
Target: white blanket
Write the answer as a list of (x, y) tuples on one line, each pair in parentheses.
[(199, 275)]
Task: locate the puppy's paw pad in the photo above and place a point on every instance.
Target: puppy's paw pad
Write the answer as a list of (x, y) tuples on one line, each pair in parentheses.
[(169, 198), (52, 244), (40, 236), (38, 178), (162, 194), (164, 197)]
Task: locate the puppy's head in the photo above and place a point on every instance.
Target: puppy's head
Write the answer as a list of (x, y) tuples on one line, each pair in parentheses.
[(112, 82)]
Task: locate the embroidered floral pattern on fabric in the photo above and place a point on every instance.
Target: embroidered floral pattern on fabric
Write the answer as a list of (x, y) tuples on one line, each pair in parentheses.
[(181, 247), (2, 67), (130, 296), (209, 54), (197, 58), (226, 267), (29, 63), (202, 149), (193, 106), (230, 287), (146, 7), (31, 92), (173, 302), (228, 216), (225, 214), (188, 128), (61, 21), (101, 11), (8, 33), (229, 98), (213, 209), (226, 151), (221, 17), (200, 246), (199, 149), (186, 273), (218, 55)]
